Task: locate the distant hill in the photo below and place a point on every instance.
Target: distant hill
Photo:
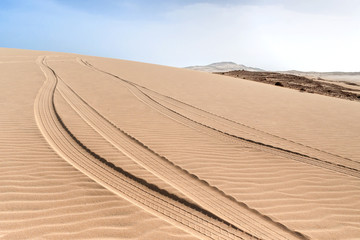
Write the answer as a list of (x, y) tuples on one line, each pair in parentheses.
[(231, 66), (223, 67)]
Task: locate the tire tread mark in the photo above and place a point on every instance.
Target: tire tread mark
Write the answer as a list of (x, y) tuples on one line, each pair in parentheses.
[(65, 88), (105, 173), (350, 171)]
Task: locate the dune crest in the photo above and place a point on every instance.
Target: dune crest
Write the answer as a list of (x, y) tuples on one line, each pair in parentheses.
[(151, 139)]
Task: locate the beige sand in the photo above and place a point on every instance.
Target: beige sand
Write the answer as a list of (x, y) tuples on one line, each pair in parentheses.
[(104, 148)]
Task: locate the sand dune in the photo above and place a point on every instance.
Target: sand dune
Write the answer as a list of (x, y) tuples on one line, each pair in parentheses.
[(104, 148), (42, 196)]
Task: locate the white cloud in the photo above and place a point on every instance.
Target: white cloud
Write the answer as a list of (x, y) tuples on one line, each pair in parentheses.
[(268, 36), (276, 35)]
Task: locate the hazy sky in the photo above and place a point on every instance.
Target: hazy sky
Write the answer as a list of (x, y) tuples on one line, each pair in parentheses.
[(321, 35)]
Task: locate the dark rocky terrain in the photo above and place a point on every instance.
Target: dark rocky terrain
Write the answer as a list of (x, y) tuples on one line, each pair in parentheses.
[(346, 90)]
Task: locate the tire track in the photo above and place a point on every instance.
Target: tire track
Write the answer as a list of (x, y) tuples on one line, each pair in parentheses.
[(198, 190), (192, 218), (252, 133), (347, 166)]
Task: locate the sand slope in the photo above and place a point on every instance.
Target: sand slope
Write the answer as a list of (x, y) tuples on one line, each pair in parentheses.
[(104, 148), (42, 196)]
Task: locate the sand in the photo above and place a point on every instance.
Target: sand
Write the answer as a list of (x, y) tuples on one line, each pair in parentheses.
[(111, 149)]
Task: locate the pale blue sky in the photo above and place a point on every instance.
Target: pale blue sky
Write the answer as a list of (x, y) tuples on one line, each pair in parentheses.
[(321, 35)]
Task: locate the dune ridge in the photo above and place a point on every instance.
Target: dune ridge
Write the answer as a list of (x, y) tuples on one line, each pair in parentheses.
[(115, 149), (283, 112)]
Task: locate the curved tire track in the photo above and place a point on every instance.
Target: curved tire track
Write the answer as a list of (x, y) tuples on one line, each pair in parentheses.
[(192, 218), (199, 191), (227, 125), (347, 166)]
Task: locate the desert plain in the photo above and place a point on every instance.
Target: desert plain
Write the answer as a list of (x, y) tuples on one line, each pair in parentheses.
[(99, 148)]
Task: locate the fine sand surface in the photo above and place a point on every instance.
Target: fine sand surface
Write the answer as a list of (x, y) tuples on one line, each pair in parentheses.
[(110, 149)]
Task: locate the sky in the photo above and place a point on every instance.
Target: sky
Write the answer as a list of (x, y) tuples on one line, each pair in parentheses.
[(306, 35)]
